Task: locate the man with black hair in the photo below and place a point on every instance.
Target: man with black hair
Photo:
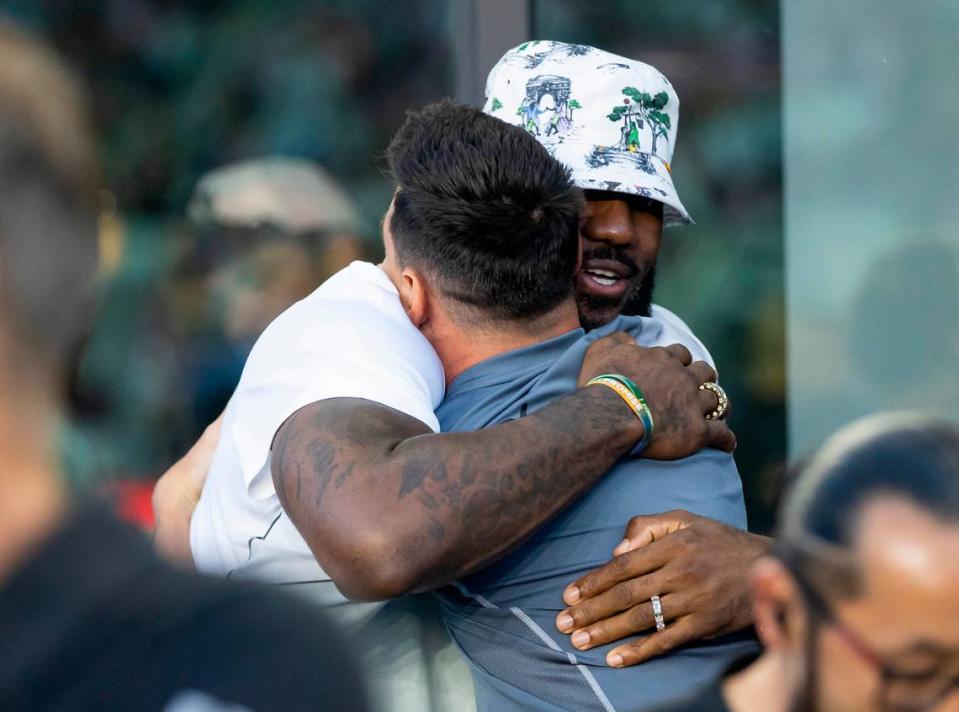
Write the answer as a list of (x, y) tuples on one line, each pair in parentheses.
[(858, 606), (90, 619)]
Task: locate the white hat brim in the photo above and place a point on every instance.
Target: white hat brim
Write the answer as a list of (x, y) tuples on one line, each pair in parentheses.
[(611, 168)]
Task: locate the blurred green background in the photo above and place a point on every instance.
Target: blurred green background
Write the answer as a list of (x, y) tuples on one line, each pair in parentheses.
[(180, 88)]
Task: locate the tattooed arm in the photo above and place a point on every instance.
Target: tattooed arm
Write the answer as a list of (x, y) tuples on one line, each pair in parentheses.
[(388, 507)]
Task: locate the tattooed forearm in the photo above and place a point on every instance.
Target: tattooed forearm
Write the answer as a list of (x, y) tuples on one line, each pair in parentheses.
[(389, 507)]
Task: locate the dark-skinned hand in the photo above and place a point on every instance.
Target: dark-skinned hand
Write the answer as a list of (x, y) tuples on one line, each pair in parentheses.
[(669, 380), (697, 566)]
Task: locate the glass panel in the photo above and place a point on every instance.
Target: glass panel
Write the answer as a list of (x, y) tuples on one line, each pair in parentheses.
[(872, 172), (724, 274)]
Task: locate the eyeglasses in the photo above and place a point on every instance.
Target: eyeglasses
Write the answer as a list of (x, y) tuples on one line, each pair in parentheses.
[(899, 690)]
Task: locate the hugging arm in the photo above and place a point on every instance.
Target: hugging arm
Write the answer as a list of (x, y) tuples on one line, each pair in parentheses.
[(176, 494), (388, 507)]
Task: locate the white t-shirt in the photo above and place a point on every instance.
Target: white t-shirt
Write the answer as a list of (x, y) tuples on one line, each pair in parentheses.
[(349, 339)]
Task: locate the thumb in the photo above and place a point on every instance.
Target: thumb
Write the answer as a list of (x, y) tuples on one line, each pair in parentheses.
[(644, 530)]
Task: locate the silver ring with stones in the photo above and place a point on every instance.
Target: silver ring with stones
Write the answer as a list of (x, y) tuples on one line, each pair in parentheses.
[(658, 613)]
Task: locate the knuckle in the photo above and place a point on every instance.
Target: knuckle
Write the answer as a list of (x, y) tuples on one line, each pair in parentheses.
[(639, 619), (586, 587), (582, 614), (622, 596), (598, 633), (630, 652), (681, 636), (683, 543), (621, 565)]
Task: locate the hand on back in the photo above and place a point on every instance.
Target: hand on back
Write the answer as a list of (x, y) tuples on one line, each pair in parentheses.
[(669, 380)]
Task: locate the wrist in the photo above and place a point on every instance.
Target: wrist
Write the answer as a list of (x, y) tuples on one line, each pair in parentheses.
[(634, 399), (623, 427)]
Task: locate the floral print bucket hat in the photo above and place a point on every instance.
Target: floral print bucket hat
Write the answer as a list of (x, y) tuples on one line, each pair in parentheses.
[(610, 119)]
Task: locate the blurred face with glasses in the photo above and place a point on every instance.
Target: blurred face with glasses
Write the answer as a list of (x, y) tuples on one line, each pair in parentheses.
[(877, 631)]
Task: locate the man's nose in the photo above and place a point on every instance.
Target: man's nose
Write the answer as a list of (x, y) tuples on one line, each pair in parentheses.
[(609, 221)]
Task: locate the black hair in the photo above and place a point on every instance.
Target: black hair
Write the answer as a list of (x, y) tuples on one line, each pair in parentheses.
[(900, 455), (483, 208)]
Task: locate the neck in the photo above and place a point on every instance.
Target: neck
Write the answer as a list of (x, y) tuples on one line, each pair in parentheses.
[(764, 686), (32, 495), (460, 349)]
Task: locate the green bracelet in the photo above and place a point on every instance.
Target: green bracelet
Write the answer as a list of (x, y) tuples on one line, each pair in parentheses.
[(645, 414)]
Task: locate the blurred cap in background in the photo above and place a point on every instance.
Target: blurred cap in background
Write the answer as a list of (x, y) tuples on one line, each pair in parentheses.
[(291, 195)]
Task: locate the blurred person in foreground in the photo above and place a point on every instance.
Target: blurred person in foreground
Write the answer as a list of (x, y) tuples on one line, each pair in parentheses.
[(858, 606), (90, 618)]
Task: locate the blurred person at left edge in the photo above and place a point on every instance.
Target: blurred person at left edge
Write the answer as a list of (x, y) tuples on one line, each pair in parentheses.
[(89, 618)]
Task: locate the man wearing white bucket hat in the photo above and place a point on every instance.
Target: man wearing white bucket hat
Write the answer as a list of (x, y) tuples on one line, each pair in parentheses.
[(613, 121), (610, 119)]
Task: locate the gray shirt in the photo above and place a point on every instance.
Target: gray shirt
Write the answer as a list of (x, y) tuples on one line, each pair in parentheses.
[(503, 618)]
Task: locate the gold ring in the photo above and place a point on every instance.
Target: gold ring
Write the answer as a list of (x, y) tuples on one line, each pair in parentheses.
[(723, 407)]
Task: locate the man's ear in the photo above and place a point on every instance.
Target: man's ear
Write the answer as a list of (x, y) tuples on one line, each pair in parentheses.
[(415, 296), (777, 608)]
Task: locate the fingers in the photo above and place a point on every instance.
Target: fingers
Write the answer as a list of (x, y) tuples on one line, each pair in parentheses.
[(635, 620), (719, 436), (621, 597), (702, 372), (680, 352), (676, 634), (645, 529), (628, 566)]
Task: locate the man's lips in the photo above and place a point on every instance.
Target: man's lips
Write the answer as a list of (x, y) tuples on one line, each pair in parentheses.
[(604, 278)]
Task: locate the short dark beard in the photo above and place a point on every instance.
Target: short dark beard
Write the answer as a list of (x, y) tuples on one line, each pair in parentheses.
[(639, 302)]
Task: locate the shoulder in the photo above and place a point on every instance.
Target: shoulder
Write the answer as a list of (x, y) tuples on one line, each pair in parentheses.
[(683, 334), (356, 305), (351, 338), (354, 322)]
